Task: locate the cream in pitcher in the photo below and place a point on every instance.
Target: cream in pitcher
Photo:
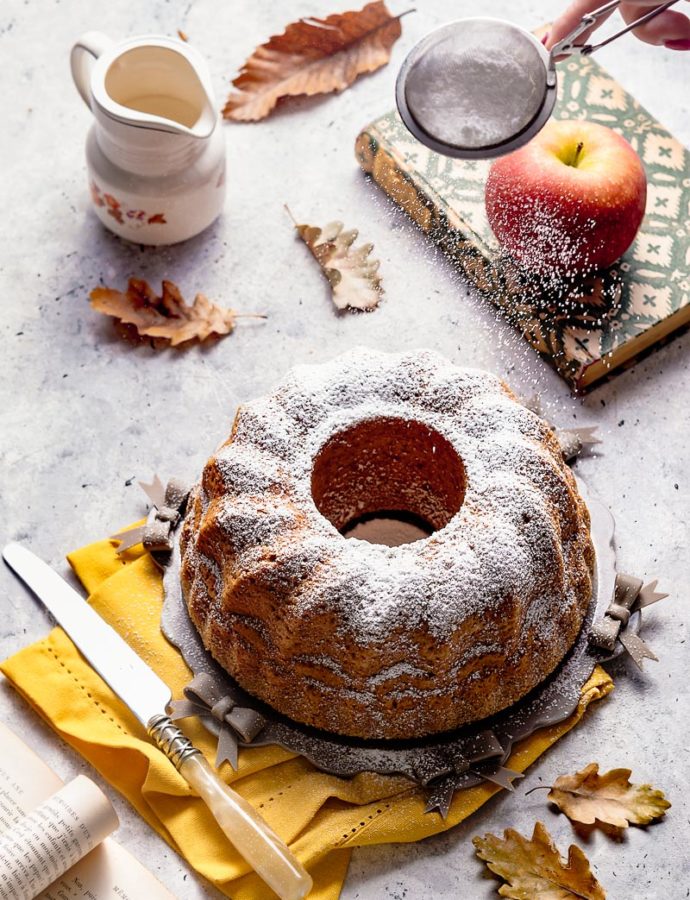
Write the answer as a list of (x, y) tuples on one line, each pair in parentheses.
[(155, 154)]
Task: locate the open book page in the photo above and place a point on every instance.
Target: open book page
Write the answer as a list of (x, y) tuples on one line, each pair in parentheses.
[(25, 780), (41, 846), (51, 826), (108, 873)]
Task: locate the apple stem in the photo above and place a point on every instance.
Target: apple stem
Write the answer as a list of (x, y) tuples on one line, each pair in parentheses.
[(578, 151)]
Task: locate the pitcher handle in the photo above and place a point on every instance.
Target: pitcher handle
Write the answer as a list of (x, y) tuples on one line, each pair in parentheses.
[(85, 51)]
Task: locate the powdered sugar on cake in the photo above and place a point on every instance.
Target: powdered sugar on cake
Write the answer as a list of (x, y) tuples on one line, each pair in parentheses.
[(512, 538), (500, 524)]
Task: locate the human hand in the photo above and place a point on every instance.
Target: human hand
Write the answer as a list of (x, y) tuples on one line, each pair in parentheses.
[(670, 28)]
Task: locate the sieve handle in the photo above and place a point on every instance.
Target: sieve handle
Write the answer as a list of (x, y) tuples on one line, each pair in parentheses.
[(567, 46)]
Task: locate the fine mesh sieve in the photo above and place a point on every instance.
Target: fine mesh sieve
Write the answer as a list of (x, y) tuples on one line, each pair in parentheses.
[(481, 87)]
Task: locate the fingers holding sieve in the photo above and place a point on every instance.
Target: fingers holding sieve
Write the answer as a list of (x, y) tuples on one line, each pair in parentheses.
[(664, 27), (570, 19), (670, 28)]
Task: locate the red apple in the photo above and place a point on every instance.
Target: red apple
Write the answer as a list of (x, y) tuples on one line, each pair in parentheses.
[(569, 201)]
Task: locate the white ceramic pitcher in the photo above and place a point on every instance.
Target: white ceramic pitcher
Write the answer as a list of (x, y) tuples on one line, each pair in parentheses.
[(156, 151)]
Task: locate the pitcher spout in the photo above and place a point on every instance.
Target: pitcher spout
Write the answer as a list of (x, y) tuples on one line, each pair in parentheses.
[(205, 124), (156, 83)]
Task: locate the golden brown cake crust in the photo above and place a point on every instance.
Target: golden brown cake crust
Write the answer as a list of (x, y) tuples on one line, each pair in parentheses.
[(374, 641)]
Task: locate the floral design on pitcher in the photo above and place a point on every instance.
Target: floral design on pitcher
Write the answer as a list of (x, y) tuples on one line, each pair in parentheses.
[(122, 213)]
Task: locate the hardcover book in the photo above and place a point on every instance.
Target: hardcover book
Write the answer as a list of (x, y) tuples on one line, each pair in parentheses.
[(589, 326)]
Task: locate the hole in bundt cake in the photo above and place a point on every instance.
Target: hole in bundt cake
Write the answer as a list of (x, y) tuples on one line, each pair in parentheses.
[(391, 527), (388, 481)]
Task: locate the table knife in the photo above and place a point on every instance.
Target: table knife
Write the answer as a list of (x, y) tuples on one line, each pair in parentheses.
[(148, 697)]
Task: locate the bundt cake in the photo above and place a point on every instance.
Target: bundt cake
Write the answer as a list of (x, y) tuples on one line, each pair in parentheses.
[(374, 641)]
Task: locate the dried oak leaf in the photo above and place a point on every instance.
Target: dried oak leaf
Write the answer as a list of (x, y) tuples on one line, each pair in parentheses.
[(167, 316), (587, 797), (313, 56), (534, 870), (353, 276)]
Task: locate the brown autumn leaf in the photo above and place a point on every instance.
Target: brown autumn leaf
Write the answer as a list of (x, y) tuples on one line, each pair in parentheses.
[(167, 316), (353, 276), (313, 56), (587, 797), (534, 869)]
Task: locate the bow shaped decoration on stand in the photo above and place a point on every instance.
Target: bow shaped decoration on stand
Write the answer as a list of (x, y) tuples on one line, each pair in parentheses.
[(440, 793), (486, 752), (629, 597), (572, 440), (168, 505), (205, 699)]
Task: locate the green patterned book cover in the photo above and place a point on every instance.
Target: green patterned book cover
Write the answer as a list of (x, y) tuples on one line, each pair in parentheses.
[(589, 327)]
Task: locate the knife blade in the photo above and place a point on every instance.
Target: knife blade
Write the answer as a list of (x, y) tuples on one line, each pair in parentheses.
[(114, 660), (147, 696)]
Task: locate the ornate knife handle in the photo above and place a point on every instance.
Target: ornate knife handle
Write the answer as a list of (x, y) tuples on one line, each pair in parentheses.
[(241, 823)]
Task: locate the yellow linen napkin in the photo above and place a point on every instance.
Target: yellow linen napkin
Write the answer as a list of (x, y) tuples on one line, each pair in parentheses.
[(322, 817)]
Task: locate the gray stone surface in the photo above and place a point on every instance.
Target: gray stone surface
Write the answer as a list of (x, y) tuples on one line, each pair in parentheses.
[(82, 413)]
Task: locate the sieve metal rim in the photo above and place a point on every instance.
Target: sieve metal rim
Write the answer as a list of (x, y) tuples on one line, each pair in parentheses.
[(490, 151)]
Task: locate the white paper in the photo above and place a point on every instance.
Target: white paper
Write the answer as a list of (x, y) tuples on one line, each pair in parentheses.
[(42, 846), (32, 798)]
